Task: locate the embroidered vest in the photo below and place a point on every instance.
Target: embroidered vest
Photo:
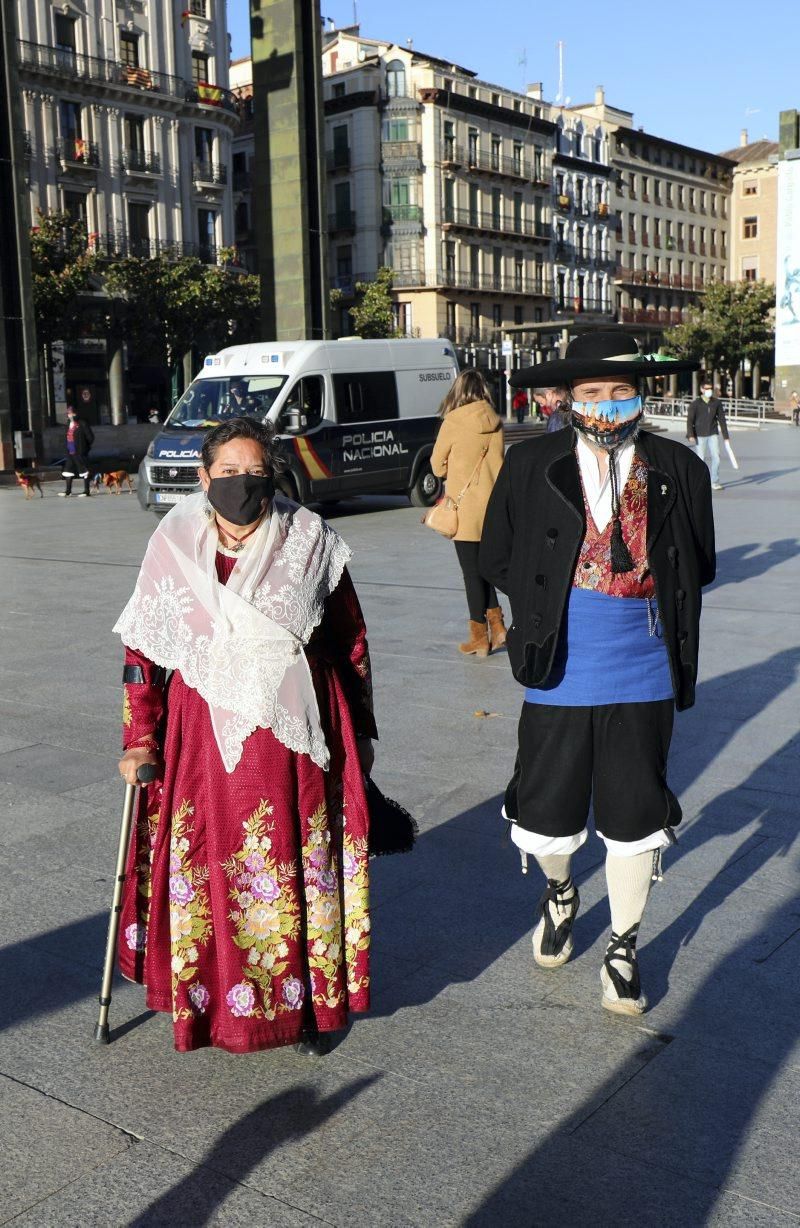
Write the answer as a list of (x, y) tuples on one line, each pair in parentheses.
[(594, 561)]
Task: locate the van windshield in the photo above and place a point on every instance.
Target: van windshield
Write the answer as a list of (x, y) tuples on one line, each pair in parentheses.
[(207, 402)]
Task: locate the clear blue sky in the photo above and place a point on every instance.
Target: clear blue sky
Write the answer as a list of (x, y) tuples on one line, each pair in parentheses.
[(695, 71)]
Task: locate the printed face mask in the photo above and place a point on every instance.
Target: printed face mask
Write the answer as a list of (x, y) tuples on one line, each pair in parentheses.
[(608, 423), (240, 499)]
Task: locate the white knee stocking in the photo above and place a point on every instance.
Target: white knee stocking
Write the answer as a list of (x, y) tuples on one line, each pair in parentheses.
[(629, 880), (556, 867)]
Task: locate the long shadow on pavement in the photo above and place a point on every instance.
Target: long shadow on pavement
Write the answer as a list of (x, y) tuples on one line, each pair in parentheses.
[(747, 562), (241, 1148), (659, 1149)]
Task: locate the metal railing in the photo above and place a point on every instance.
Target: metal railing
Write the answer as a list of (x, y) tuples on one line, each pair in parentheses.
[(342, 219), (474, 219), (494, 283), (401, 213), (63, 62), (215, 173), (137, 161), (737, 409), (401, 151), (120, 247), (75, 151)]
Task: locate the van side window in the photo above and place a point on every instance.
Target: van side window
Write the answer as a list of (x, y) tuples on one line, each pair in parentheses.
[(305, 402), (367, 396)]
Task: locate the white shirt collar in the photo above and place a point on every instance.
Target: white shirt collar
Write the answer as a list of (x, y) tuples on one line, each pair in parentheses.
[(598, 493)]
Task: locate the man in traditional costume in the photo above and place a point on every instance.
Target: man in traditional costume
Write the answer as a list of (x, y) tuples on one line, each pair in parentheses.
[(247, 681), (602, 536)]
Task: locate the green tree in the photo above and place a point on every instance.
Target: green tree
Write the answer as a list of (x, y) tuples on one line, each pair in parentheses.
[(372, 313), (62, 269), (733, 321), (173, 305)]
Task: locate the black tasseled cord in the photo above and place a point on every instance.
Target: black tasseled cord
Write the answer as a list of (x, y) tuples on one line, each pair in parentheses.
[(620, 554)]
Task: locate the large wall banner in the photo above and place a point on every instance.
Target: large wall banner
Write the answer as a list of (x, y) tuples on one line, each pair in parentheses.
[(787, 306)]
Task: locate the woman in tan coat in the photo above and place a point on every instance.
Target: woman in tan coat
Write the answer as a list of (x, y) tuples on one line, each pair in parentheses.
[(469, 453)]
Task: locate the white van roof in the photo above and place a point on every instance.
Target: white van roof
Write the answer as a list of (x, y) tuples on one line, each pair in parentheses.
[(347, 354)]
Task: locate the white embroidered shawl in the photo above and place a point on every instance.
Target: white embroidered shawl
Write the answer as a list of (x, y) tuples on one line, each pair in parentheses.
[(240, 645)]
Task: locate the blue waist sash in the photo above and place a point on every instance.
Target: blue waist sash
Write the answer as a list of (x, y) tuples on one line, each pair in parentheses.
[(606, 654)]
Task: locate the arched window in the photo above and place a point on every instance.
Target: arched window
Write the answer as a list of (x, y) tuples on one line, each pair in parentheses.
[(396, 79), (598, 145)]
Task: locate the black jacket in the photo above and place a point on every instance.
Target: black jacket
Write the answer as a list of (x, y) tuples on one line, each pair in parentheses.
[(84, 438), (706, 418), (535, 526)]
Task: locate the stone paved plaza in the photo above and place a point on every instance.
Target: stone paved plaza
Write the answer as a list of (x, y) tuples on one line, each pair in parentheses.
[(481, 1090)]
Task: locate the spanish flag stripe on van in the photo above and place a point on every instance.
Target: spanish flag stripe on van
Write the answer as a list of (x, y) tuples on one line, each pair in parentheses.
[(310, 461)]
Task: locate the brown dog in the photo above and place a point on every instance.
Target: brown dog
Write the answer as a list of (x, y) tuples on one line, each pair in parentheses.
[(114, 481), (29, 482)]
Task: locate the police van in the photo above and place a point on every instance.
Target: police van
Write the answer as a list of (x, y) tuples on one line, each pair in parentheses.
[(352, 417)]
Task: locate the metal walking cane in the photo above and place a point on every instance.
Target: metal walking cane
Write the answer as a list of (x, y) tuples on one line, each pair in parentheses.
[(144, 775)]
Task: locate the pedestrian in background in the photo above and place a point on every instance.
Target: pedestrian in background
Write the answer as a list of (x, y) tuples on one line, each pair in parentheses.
[(79, 440), (554, 404), (520, 405), (704, 421), (469, 453), (246, 905), (794, 405)]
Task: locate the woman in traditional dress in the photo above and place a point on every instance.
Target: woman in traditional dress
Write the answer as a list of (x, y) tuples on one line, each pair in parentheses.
[(247, 682)]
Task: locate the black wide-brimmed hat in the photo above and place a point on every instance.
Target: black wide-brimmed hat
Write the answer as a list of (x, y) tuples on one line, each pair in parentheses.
[(607, 352)]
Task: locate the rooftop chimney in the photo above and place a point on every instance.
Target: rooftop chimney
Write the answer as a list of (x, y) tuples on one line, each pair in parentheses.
[(535, 90), (599, 96), (743, 137)]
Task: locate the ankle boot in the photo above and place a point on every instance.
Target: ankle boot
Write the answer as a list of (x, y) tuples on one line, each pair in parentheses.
[(497, 628), (478, 643)]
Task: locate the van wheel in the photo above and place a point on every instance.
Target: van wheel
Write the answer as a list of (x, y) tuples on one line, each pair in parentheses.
[(426, 488)]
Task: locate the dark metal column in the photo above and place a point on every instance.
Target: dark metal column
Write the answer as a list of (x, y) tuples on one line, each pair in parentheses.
[(289, 188)]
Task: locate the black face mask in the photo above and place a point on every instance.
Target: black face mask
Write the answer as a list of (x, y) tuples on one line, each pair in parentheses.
[(240, 499)]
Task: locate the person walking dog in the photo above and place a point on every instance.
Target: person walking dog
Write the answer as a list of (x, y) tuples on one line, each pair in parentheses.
[(80, 438), (602, 537), (704, 421), (469, 454)]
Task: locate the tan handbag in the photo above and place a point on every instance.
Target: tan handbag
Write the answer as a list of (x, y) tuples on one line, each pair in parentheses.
[(443, 516)]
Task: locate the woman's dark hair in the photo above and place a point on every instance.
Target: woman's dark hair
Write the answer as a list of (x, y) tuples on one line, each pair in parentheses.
[(262, 433)]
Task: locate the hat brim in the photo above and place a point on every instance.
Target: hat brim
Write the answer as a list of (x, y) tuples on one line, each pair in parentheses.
[(567, 370)]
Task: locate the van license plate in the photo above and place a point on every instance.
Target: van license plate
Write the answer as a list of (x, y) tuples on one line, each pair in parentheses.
[(169, 496)]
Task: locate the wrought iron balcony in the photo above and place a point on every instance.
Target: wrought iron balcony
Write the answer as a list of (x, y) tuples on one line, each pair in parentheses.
[(337, 159), (495, 283), (214, 174), (401, 213), (138, 162), (401, 151), (341, 222), (66, 64), (497, 223), (75, 151)]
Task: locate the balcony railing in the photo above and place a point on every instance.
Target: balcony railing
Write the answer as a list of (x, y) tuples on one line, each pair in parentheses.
[(647, 277), (401, 151), (64, 63), (116, 246), (337, 159), (494, 283), (473, 219), (214, 173), (340, 221), (76, 151), (582, 304), (408, 277), (138, 162), (562, 201), (401, 213)]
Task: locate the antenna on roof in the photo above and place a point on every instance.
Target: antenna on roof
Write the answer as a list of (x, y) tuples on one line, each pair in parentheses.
[(560, 95)]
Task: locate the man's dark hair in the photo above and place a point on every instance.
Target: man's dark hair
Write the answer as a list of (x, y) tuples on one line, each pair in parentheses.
[(262, 433)]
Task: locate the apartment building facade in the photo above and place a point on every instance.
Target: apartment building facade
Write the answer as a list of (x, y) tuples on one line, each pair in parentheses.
[(671, 205), (445, 178), (754, 210), (128, 127)]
